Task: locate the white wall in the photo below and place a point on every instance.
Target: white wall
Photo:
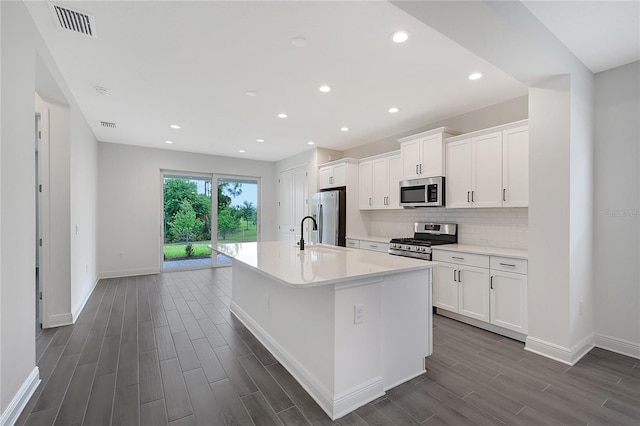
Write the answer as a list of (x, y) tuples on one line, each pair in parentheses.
[(27, 68), (17, 217), (617, 230), (494, 115), (130, 201)]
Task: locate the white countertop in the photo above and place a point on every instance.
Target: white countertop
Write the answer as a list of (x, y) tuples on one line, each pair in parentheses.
[(374, 238), (318, 264), (490, 251)]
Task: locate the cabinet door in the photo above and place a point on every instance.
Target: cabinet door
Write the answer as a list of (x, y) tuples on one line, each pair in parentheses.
[(298, 197), (509, 301), (339, 175), (432, 156), (380, 183), (445, 289), (410, 153), (325, 175), (284, 203), (458, 183), (486, 166), (395, 175), (365, 185), (515, 167), (474, 292)]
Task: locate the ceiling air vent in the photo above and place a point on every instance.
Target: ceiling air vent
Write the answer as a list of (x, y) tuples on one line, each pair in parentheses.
[(74, 20), (108, 124)]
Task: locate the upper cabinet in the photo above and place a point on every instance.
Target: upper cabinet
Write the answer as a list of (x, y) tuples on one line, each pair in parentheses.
[(379, 179), (423, 154), (338, 173), (489, 168)]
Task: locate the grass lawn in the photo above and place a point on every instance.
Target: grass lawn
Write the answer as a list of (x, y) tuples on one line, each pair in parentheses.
[(171, 251), (242, 235)]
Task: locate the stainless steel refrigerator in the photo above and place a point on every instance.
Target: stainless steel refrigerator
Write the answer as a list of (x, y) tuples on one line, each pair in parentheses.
[(329, 209)]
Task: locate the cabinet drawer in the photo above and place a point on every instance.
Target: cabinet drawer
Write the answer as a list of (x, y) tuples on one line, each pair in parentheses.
[(373, 245), (469, 259), (509, 264), (353, 243)]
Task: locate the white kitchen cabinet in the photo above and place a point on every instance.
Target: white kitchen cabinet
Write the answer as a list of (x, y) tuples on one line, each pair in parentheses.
[(509, 293), (379, 179), (292, 202), (423, 154), (333, 176), (365, 194), (515, 167), (488, 168), (374, 246), (462, 287), (353, 243)]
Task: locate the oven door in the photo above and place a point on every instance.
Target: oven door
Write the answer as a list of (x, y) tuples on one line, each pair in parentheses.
[(426, 192)]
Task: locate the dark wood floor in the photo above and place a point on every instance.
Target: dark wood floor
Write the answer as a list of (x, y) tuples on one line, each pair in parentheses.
[(164, 349)]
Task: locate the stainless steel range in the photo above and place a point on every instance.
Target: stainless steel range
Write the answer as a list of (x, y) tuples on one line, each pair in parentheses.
[(425, 235)]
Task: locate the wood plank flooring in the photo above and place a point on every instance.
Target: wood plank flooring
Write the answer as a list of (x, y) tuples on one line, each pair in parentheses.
[(165, 350)]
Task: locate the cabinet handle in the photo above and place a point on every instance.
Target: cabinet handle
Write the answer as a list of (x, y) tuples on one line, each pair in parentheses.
[(417, 169), (472, 196), (491, 282), (369, 201), (373, 246), (420, 168), (504, 194), (459, 258), (468, 192), (454, 276), (508, 264), (459, 276)]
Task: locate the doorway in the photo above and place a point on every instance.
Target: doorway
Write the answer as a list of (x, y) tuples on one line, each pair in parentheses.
[(38, 290), (187, 203)]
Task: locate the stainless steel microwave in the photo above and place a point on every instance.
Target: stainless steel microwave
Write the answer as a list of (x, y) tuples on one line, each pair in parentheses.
[(422, 192)]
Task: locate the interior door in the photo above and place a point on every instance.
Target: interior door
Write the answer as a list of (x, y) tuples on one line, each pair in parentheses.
[(299, 200)]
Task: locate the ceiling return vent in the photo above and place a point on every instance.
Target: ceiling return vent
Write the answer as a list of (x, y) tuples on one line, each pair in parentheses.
[(108, 124), (74, 20)]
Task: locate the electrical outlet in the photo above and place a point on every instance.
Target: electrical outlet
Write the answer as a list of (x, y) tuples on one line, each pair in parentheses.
[(358, 314)]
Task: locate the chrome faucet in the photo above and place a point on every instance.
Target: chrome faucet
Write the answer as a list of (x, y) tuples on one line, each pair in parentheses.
[(315, 228)]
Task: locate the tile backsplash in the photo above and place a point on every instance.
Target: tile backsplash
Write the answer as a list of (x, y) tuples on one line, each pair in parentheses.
[(499, 227)]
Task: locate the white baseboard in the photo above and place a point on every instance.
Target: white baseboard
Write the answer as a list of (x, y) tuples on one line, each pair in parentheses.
[(20, 399), (129, 272), (59, 320), (559, 353), (334, 405), (76, 312), (620, 346)]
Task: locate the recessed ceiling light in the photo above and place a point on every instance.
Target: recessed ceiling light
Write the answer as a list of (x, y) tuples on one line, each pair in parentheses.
[(299, 42), (311, 143), (393, 110), (324, 88), (241, 150), (259, 140), (169, 142), (400, 36), (282, 115), (175, 126), (344, 129), (251, 93), (475, 76)]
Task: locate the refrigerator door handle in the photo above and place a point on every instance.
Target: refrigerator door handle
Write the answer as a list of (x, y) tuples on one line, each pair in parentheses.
[(320, 225)]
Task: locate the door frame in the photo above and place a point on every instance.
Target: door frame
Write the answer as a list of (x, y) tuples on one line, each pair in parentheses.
[(43, 213)]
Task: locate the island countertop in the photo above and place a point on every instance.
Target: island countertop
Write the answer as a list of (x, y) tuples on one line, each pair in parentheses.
[(317, 264)]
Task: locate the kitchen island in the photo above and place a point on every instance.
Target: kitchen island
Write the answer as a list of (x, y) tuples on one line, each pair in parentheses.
[(348, 324)]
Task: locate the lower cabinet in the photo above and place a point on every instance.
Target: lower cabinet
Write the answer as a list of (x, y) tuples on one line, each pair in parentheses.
[(368, 245), (486, 288)]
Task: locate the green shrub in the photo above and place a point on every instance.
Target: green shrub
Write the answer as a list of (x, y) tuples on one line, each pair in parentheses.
[(189, 249)]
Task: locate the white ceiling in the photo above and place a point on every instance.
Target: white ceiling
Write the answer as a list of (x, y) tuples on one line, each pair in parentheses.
[(602, 34), (191, 63)]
